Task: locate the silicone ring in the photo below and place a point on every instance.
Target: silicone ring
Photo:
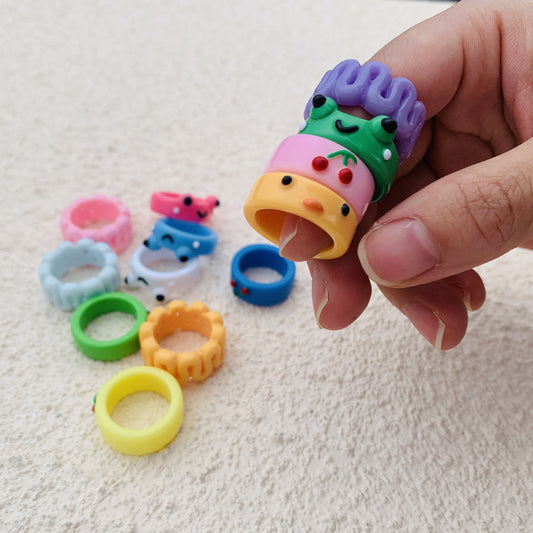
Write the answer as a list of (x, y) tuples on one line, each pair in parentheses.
[(300, 154), (161, 284), (69, 295), (117, 233), (183, 206), (277, 193), (114, 349), (186, 239), (194, 365), (146, 440), (253, 292), (372, 87)]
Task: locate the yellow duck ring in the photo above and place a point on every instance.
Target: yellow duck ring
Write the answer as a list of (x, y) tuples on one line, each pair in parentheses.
[(194, 365), (277, 193), (146, 440)]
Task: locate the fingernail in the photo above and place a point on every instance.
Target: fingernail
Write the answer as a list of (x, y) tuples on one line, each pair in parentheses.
[(398, 251), (319, 293), (464, 294), (288, 238), (466, 300), (426, 322)]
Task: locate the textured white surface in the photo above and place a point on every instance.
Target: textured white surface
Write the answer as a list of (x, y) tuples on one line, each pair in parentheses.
[(366, 429)]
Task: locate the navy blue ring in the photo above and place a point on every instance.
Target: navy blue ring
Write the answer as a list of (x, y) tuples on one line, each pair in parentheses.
[(253, 292)]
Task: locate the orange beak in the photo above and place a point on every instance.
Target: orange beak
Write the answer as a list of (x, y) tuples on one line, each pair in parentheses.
[(313, 205)]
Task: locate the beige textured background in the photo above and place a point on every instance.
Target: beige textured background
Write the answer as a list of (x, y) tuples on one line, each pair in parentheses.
[(367, 429)]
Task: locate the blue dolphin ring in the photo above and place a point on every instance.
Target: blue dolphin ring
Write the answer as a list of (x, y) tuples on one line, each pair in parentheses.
[(262, 256), (185, 239)]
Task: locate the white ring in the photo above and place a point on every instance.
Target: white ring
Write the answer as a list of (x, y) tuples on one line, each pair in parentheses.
[(161, 284)]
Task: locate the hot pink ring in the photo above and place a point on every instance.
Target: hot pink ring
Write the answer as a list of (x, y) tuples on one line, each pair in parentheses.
[(183, 206), (98, 208)]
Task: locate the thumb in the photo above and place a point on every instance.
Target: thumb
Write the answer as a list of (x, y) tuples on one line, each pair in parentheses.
[(458, 222)]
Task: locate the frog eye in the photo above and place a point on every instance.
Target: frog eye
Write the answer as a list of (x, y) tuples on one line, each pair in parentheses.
[(345, 210), (187, 200), (319, 100), (286, 180)]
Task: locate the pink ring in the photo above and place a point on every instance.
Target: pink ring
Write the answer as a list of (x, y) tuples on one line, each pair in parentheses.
[(117, 232), (183, 206)]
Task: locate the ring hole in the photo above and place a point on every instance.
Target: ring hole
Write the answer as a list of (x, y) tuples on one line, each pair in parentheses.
[(110, 326), (94, 214), (183, 341), (140, 410), (262, 275), (79, 274), (97, 224), (165, 265)]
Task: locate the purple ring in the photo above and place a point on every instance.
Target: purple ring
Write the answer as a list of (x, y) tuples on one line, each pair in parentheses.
[(372, 87)]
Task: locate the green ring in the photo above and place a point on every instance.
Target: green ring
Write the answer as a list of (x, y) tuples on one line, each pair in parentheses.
[(114, 349)]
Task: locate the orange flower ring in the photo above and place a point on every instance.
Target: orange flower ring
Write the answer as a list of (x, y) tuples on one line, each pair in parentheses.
[(184, 366)]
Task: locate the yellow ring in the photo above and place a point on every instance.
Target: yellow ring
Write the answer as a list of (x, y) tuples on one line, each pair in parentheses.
[(188, 366), (146, 440), (269, 201)]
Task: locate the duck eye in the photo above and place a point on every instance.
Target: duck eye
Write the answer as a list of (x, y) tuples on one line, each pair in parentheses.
[(286, 180), (187, 200), (345, 209)]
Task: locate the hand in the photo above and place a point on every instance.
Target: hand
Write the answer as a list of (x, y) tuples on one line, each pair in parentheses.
[(463, 197)]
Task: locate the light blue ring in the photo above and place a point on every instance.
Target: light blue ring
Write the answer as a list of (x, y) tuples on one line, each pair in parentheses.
[(69, 295), (253, 292), (185, 239)]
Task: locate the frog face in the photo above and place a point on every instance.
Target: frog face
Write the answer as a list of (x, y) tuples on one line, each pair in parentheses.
[(370, 140)]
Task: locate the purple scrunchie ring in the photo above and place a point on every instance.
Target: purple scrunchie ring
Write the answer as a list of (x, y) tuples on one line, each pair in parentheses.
[(372, 87)]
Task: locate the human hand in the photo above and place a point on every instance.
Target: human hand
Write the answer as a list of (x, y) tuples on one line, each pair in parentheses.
[(463, 197)]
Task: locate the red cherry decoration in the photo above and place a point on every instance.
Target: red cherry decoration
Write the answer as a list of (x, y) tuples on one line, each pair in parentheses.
[(320, 163), (233, 283), (245, 291), (345, 175)]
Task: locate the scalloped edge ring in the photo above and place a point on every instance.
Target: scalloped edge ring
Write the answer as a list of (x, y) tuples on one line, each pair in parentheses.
[(194, 365), (69, 295), (117, 233)]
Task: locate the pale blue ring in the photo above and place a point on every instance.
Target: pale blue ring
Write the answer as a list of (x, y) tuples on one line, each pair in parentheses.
[(69, 295)]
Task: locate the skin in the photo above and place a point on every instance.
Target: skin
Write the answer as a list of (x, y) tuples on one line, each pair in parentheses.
[(463, 197)]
